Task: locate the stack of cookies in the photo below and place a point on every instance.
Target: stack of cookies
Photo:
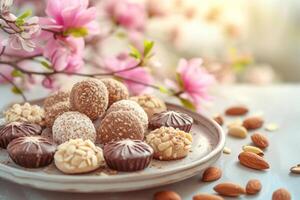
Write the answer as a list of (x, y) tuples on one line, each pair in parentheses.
[(96, 124)]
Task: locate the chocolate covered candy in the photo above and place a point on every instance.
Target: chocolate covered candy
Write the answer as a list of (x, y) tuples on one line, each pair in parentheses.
[(31, 151), (173, 119), (128, 155)]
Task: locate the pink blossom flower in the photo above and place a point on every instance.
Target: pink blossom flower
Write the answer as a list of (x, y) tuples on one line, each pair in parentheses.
[(65, 54), (6, 71), (70, 14), (5, 5), (123, 62), (130, 15), (195, 81)]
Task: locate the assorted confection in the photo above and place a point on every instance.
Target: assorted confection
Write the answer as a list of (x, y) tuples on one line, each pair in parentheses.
[(95, 125)]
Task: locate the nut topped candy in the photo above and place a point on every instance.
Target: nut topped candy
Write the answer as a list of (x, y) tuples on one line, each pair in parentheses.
[(131, 106), (15, 130), (173, 119), (25, 113), (169, 143), (31, 151), (56, 97), (73, 125), (54, 111), (128, 155), (78, 156), (150, 104), (89, 97), (120, 125), (116, 90)]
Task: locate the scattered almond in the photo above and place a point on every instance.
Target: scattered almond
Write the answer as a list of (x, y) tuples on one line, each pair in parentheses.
[(253, 186), (260, 140), (211, 174), (166, 195), (237, 122), (253, 149), (271, 127), (237, 131), (227, 150), (295, 169), (281, 194), (219, 119), (207, 197), (253, 161), (236, 110), (229, 189), (252, 123)]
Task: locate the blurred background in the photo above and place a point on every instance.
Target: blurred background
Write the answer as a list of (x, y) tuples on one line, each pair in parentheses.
[(250, 41)]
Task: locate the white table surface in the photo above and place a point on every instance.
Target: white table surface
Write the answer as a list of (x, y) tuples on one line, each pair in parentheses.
[(279, 104)]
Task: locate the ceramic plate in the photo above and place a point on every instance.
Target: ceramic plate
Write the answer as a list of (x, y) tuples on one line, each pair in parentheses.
[(208, 142)]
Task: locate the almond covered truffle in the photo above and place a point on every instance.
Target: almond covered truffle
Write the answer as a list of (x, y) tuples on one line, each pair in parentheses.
[(120, 125), (89, 97), (116, 90), (78, 156), (73, 125), (169, 143), (131, 106), (150, 104), (56, 97), (54, 111)]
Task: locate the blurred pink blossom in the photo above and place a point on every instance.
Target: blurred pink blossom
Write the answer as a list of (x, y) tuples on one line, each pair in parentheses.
[(195, 80), (6, 71), (69, 14), (130, 15), (65, 54), (122, 62)]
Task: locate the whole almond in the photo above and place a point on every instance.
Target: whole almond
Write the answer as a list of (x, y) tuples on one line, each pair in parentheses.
[(256, 150), (207, 197), (253, 186), (219, 119), (260, 140), (236, 110), (253, 161), (211, 174), (229, 189), (281, 194), (237, 131), (252, 123), (166, 195), (295, 169)]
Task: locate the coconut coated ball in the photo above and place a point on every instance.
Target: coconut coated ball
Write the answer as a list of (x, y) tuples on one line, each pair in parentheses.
[(116, 90)]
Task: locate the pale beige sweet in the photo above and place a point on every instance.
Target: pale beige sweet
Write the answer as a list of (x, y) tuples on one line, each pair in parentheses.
[(116, 90), (120, 125), (78, 156), (73, 125), (25, 113), (169, 143), (56, 97), (54, 111), (89, 97), (131, 106), (150, 104)]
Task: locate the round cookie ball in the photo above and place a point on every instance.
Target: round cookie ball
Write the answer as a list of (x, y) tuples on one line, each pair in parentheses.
[(89, 97), (150, 104), (116, 90), (31, 151), (169, 143), (56, 97), (73, 125), (120, 125), (54, 111), (131, 106), (78, 156)]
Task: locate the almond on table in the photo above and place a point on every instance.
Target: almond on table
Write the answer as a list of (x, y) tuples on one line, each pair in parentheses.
[(281, 194), (237, 131), (252, 123), (236, 111), (260, 140), (253, 161), (229, 189), (166, 195), (253, 186), (207, 197), (211, 174)]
